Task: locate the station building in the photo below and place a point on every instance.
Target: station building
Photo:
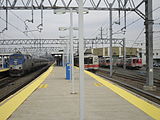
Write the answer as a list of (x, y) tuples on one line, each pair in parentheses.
[(117, 52), (156, 56), (130, 52)]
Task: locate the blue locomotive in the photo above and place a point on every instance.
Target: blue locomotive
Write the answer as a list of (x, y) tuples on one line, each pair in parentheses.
[(21, 64)]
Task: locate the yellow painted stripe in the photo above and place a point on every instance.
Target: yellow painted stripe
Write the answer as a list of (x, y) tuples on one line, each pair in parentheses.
[(95, 84), (148, 108), (98, 84), (3, 70), (11, 105), (46, 85), (40, 86), (43, 86)]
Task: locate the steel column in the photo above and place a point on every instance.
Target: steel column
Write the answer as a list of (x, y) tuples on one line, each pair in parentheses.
[(81, 60), (124, 53), (149, 41), (67, 50), (71, 47), (110, 49)]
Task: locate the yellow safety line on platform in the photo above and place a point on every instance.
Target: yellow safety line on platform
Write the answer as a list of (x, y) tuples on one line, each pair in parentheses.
[(148, 108), (3, 70), (98, 84), (11, 105), (43, 86)]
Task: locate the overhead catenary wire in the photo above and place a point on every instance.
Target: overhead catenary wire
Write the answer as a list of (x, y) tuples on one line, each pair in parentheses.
[(24, 23), (105, 25), (138, 37), (14, 27), (137, 20)]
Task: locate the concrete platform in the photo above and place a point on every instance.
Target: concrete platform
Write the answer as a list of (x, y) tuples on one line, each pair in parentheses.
[(53, 101)]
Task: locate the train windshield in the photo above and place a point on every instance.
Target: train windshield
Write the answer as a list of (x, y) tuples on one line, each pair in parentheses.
[(88, 60), (16, 57)]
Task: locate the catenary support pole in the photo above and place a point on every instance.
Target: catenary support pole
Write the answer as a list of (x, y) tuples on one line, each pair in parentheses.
[(81, 60), (124, 53), (67, 50), (149, 44), (110, 29), (72, 54)]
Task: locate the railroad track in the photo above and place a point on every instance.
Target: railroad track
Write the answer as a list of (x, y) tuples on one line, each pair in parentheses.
[(146, 94), (134, 77), (6, 81), (10, 85)]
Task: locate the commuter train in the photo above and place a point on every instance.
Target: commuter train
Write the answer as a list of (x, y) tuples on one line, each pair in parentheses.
[(133, 62), (104, 62), (21, 64), (91, 62)]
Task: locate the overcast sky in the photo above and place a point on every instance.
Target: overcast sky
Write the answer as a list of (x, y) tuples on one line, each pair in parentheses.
[(92, 24)]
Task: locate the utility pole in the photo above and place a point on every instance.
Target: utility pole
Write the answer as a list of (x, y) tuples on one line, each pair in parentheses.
[(149, 44), (110, 29)]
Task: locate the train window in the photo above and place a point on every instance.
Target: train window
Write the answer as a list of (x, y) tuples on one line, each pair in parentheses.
[(95, 59), (137, 61), (88, 60), (107, 61), (134, 60)]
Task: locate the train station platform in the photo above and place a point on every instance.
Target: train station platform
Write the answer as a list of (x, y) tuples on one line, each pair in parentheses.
[(52, 100), (3, 70)]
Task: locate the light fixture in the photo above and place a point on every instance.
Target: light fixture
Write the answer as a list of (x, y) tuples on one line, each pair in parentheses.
[(62, 28), (63, 11), (75, 28), (67, 37), (85, 11), (60, 11)]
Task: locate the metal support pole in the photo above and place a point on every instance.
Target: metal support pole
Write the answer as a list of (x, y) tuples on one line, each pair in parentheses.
[(65, 55), (81, 60), (149, 44), (32, 11), (41, 13), (63, 60), (2, 61), (110, 22), (67, 50), (124, 53), (71, 47), (6, 14)]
